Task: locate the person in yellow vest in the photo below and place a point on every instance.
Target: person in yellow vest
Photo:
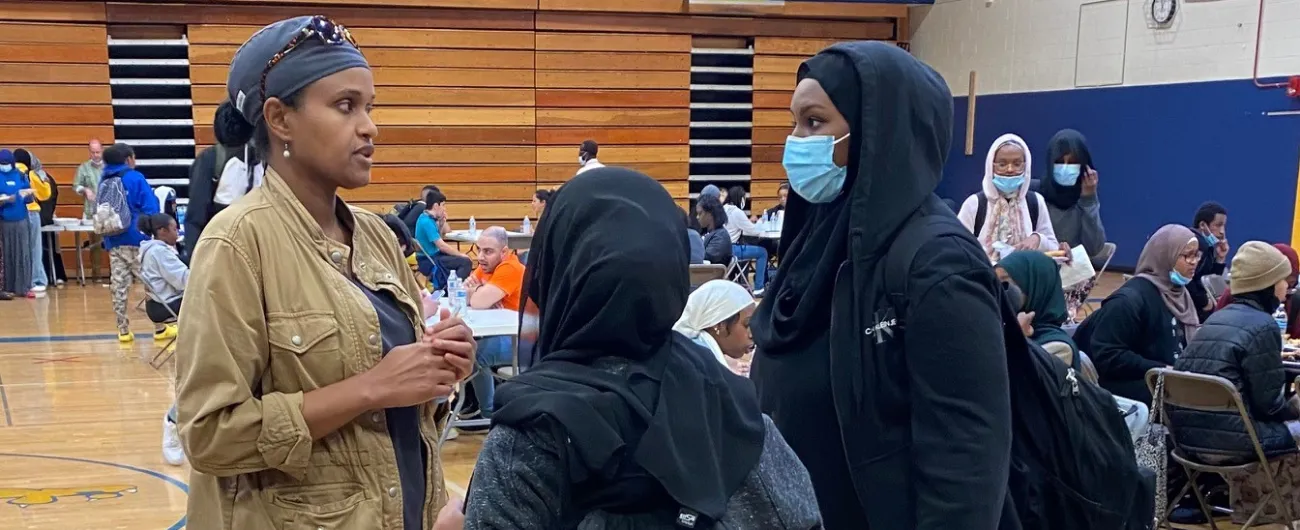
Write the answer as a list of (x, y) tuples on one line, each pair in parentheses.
[(30, 166)]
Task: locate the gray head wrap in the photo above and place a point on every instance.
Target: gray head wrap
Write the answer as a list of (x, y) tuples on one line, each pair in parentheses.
[(711, 190), (312, 59)]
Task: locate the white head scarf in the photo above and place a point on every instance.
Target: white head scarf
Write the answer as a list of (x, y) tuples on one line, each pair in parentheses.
[(1012, 213), (712, 303)]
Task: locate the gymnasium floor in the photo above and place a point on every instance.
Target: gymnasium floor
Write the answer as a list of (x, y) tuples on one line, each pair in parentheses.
[(81, 432)]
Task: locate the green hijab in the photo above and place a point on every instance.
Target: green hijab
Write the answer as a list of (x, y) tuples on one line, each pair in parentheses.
[(1038, 278)]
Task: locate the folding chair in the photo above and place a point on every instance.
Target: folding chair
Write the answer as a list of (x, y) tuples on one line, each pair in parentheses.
[(1211, 394), (1215, 285), (701, 274), (1107, 250), (166, 348), (739, 270)]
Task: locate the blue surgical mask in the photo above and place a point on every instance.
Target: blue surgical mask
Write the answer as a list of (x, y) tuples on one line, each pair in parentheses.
[(6, 167), (1179, 279), (810, 164), (1211, 239), (1008, 185), (1066, 174)]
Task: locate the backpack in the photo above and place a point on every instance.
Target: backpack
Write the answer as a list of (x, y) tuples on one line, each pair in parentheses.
[(1072, 459), (232, 177), (409, 212), (112, 215), (982, 211)]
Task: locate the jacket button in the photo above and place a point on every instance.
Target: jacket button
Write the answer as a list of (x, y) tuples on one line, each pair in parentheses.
[(373, 339), (392, 492), (376, 417), (336, 256), (388, 276), (296, 340)]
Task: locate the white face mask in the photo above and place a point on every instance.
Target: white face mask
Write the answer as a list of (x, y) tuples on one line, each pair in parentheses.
[(582, 161), (6, 167)]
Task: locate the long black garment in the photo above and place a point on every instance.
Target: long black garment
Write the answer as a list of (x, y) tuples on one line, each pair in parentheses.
[(403, 422), (675, 429), (899, 431), (1131, 333)]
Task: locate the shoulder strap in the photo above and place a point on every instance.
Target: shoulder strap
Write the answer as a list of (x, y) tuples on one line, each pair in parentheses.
[(1033, 210), (899, 258), (981, 211)]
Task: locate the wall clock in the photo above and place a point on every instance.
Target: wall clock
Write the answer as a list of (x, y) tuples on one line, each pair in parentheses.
[(1163, 11)]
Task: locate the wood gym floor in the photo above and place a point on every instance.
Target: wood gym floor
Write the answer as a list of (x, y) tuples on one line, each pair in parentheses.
[(81, 432)]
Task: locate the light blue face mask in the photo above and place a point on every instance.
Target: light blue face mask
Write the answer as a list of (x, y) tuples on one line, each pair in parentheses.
[(1066, 174), (810, 165), (1211, 239), (1179, 279), (6, 167), (1008, 185)]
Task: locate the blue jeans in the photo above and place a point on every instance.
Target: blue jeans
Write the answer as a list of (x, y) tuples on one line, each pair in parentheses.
[(38, 256), (492, 351), (759, 255)]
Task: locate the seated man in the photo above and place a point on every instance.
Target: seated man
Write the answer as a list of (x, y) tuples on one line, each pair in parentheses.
[(496, 284), (432, 249)]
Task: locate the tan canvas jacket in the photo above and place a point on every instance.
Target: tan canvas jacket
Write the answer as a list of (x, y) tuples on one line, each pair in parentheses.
[(268, 315)]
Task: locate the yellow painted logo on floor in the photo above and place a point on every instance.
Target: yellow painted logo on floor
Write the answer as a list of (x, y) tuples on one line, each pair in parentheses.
[(24, 497)]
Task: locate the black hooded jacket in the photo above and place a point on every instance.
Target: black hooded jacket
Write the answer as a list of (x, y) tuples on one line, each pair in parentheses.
[(899, 429)]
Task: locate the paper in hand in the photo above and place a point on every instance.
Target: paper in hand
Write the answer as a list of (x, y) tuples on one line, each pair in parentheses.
[(1079, 269)]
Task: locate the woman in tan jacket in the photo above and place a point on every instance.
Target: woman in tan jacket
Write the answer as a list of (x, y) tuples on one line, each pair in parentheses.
[(308, 387)]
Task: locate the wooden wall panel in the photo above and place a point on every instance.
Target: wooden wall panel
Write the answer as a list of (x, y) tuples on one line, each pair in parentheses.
[(628, 92), (455, 107)]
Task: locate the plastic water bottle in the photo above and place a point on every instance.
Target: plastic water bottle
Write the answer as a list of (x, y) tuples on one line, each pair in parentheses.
[(528, 225), (1280, 317), (473, 228), (459, 297)]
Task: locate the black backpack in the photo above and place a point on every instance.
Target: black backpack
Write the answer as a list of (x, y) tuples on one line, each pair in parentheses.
[(409, 212), (982, 210), (1072, 460)]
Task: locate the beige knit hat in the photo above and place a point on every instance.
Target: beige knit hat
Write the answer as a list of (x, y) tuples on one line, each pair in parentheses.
[(1257, 266)]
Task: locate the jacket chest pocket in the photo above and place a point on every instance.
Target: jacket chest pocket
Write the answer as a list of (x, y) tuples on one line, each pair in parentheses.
[(306, 349)]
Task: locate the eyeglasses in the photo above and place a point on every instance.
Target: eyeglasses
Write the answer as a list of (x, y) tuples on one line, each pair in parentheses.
[(1191, 257), (1009, 166), (320, 27)]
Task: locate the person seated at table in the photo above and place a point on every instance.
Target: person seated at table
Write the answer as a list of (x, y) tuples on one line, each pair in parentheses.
[(744, 235), (1146, 322), (1069, 188), (1211, 226), (1294, 259), (623, 423), (713, 223), (1037, 279), (782, 192), (693, 237), (163, 272), (1241, 343), (1001, 213), (539, 202), (717, 317), (431, 251), (496, 284)]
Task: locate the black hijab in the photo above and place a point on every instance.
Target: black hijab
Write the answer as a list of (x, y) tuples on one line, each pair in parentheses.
[(1064, 142), (608, 274), (900, 120)]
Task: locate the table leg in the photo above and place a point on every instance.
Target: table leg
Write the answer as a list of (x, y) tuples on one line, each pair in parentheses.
[(49, 254), (81, 266)]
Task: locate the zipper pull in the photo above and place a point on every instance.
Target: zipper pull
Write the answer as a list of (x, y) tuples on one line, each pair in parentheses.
[(1073, 380)]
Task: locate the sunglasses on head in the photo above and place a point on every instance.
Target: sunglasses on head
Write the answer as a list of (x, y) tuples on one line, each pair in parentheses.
[(320, 27)]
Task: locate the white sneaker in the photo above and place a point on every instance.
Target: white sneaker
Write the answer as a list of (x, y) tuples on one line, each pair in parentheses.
[(172, 451), (38, 289)]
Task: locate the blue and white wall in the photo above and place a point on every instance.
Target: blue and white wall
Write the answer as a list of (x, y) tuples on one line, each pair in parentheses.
[(1171, 114)]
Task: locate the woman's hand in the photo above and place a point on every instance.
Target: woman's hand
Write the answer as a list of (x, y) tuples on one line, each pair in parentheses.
[(1068, 259), (410, 375), (451, 516), (1030, 243), (1026, 321), (454, 341), (1089, 188)]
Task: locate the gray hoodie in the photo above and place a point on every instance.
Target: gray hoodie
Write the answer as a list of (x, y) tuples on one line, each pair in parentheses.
[(162, 269)]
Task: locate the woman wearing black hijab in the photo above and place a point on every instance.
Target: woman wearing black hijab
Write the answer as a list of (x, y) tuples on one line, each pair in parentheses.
[(901, 429), (1070, 188), (624, 423)]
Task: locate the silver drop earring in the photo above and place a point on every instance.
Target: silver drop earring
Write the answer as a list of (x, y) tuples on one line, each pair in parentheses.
[(286, 152)]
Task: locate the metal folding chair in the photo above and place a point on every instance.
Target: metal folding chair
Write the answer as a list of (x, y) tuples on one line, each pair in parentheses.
[(1211, 394), (739, 270), (1108, 250), (166, 348)]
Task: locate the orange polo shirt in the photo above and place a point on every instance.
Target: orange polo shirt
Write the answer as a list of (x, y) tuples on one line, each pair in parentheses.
[(509, 277)]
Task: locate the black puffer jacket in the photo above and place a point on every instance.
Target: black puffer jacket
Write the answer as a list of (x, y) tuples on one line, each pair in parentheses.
[(1240, 343)]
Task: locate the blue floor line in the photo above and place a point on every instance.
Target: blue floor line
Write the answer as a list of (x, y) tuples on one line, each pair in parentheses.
[(67, 338)]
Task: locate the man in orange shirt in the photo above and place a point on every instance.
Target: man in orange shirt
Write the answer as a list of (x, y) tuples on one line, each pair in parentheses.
[(499, 279), (497, 283)]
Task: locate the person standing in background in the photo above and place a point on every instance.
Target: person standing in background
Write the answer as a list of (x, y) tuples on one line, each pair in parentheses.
[(1070, 189), (52, 260), (86, 183), (15, 266), (31, 169), (1211, 227), (124, 248), (587, 156)]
